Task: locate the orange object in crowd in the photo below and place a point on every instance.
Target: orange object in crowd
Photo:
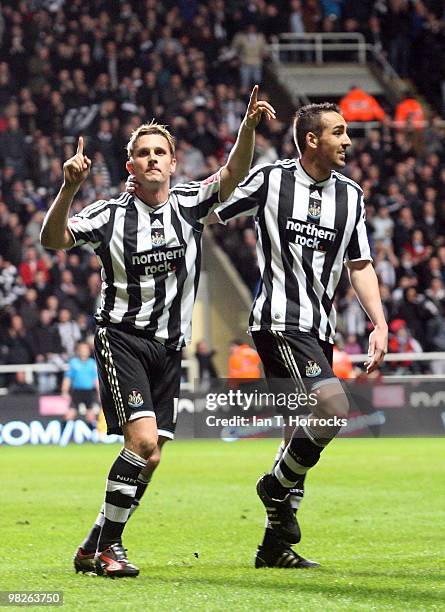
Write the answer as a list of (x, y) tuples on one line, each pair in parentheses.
[(409, 110), (342, 364), (244, 362), (358, 105)]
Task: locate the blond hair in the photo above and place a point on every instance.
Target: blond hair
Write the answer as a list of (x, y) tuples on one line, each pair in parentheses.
[(150, 128)]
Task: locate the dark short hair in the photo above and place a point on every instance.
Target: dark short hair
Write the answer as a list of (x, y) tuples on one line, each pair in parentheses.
[(308, 119)]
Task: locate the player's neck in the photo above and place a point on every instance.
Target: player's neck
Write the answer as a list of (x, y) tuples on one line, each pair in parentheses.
[(155, 199), (314, 169)]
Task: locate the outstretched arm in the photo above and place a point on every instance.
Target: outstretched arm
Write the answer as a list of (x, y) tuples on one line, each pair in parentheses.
[(240, 158), (55, 233), (365, 284)]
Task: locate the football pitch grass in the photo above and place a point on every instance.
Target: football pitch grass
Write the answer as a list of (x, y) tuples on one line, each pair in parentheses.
[(373, 517)]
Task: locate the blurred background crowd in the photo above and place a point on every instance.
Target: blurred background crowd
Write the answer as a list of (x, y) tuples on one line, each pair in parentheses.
[(100, 68)]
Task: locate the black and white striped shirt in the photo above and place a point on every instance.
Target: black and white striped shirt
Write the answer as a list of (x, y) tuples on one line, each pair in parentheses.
[(305, 232), (151, 258)]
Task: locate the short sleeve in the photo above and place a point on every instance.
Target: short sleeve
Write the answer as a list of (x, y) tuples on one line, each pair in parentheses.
[(89, 226), (198, 199), (245, 200)]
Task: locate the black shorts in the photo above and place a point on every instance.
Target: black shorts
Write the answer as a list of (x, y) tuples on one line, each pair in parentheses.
[(138, 377), (83, 396), (301, 358)]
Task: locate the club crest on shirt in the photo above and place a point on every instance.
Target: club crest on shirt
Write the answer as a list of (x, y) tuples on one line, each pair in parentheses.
[(314, 210), (312, 369), (157, 239), (135, 399)]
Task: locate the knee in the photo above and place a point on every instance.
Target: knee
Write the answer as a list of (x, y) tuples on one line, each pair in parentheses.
[(143, 447), (333, 402), (338, 408), (154, 459)]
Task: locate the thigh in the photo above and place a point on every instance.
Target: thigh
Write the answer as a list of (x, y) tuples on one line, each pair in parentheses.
[(165, 393), (124, 384), (297, 356)]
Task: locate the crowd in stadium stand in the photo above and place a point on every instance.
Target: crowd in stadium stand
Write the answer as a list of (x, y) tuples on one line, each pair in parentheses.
[(100, 68)]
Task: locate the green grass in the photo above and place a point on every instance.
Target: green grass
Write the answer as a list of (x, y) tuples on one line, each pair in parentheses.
[(373, 516)]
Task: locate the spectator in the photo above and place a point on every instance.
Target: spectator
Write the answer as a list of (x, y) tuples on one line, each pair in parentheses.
[(244, 363), (21, 385), (48, 349), (69, 332), (416, 310), (18, 343), (409, 113), (207, 370), (401, 341), (30, 265), (357, 105), (250, 46)]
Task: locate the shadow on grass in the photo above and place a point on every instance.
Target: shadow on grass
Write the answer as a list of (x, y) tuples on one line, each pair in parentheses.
[(320, 583)]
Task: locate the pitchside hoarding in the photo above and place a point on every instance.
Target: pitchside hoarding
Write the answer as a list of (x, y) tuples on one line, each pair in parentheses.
[(247, 410)]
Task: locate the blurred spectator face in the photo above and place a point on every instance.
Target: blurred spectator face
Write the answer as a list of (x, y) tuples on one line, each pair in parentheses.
[(66, 277), (83, 351), (73, 260), (150, 79), (434, 264), (13, 124), (30, 254), (393, 190), (17, 324), (45, 317), (426, 172), (31, 295), (93, 263), (429, 210), (64, 315), (417, 236), (52, 302), (94, 283), (405, 215), (374, 137), (351, 25), (436, 285), (411, 294), (430, 194), (201, 347), (374, 172)]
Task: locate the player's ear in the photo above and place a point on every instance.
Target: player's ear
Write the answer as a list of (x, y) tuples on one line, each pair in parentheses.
[(173, 165), (130, 167), (311, 140)]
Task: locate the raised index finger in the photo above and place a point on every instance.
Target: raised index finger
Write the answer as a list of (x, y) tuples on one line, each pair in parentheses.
[(253, 97), (80, 145)]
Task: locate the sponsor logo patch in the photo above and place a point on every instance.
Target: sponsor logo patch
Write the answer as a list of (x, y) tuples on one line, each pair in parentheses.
[(135, 399), (311, 235), (158, 261), (312, 369)]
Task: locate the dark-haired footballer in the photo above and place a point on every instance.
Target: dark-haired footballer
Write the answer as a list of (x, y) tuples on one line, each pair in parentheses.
[(310, 221)]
